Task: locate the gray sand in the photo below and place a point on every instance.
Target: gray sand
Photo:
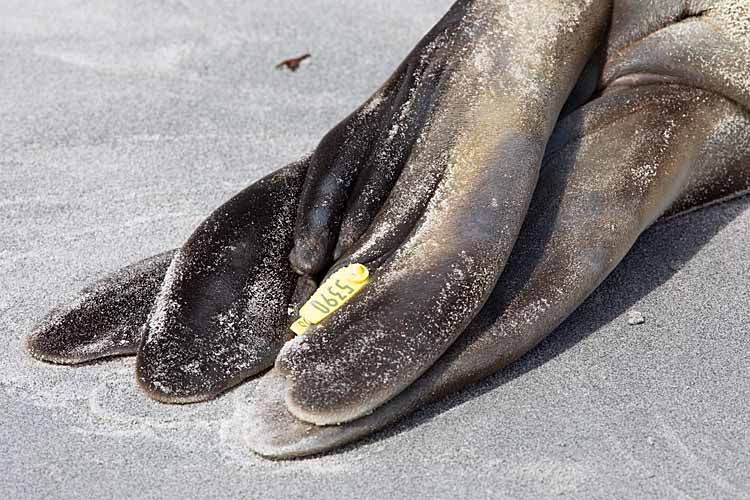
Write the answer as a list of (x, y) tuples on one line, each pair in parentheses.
[(124, 123)]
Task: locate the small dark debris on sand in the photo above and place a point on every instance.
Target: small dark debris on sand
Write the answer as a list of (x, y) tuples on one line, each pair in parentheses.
[(294, 63)]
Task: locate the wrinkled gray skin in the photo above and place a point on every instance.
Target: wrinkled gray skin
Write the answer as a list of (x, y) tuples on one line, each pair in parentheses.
[(490, 185)]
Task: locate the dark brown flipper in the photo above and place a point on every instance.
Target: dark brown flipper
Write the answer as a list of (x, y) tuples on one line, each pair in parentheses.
[(580, 249), (355, 166), (105, 319), (221, 314), (488, 130), (612, 168)]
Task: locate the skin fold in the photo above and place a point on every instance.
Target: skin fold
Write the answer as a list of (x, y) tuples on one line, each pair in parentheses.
[(490, 185)]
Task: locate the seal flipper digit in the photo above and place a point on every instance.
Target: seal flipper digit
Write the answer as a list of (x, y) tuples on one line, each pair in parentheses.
[(342, 160), (333, 169), (221, 314), (387, 160), (105, 319), (407, 124), (491, 128), (542, 285)]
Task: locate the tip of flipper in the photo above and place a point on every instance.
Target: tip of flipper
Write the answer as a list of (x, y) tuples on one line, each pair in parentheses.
[(104, 319), (309, 255), (288, 357), (173, 392), (319, 416), (41, 346), (181, 383), (274, 433), (270, 430), (62, 340), (181, 364)]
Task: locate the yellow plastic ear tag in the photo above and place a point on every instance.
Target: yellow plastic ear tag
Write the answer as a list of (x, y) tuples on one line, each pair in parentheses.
[(331, 296)]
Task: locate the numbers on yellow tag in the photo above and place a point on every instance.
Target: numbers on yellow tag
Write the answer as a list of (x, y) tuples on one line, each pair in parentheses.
[(331, 296), (299, 326)]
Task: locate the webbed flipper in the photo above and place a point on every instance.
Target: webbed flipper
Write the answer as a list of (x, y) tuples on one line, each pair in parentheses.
[(611, 169), (355, 166), (487, 131), (105, 319), (221, 314)]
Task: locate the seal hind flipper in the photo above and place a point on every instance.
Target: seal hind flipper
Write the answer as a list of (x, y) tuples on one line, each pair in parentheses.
[(340, 192), (580, 246), (104, 319), (489, 132), (565, 249), (389, 155), (221, 314)]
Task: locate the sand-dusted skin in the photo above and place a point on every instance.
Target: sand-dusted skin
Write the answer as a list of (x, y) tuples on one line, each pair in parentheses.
[(435, 184)]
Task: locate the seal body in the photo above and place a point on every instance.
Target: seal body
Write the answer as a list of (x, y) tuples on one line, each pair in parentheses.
[(490, 186)]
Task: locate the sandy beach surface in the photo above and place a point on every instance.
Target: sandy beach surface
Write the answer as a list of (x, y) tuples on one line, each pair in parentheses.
[(124, 123)]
